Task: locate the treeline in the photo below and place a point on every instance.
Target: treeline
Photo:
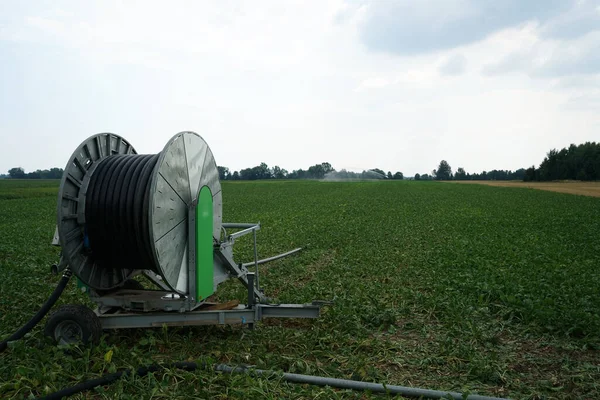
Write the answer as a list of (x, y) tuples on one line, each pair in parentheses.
[(577, 162), (317, 171), (461, 175), (493, 175), (444, 173), (581, 162), (19, 173)]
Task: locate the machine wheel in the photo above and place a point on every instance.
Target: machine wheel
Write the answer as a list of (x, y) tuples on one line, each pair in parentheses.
[(74, 323)]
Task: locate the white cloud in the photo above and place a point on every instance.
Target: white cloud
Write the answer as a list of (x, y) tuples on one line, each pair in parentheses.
[(581, 19), (539, 57), (407, 27), (453, 65), (373, 83)]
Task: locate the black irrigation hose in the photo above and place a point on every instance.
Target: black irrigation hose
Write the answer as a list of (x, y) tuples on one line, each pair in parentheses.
[(41, 312), (110, 378), (294, 378), (116, 211)]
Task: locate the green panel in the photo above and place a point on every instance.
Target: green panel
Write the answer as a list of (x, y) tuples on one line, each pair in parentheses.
[(204, 244), (82, 286)]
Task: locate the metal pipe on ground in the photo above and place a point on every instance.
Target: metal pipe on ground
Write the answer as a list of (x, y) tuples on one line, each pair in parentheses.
[(355, 385), (238, 225)]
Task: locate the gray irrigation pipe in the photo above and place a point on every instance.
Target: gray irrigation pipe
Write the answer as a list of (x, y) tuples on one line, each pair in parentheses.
[(277, 257), (354, 385)]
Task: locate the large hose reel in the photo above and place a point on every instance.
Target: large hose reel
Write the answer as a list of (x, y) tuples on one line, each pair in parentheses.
[(119, 212)]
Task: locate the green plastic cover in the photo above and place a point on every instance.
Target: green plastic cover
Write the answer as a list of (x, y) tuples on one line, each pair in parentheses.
[(204, 244)]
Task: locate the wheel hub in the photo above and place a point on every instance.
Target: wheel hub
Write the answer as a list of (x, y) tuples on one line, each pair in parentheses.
[(68, 332)]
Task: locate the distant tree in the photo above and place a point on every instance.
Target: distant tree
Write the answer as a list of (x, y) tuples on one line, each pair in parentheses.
[(263, 171), (530, 174), (247, 174), (235, 176), (54, 173), (460, 175), (518, 174), (278, 173), (342, 174), (298, 174), (318, 171), (16, 173), (417, 177), (37, 174), (581, 162), (389, 175), (223, 173), (398, 175), (444, 171)]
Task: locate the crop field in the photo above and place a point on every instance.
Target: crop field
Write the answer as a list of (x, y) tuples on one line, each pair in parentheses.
[(469, 288)]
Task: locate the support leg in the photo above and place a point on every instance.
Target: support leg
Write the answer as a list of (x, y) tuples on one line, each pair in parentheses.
[(251, 296)]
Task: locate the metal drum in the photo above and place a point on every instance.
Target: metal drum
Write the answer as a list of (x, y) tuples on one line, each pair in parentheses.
[(184, 166)]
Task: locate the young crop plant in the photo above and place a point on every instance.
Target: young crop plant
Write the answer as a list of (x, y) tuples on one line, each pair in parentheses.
[(455, 287)]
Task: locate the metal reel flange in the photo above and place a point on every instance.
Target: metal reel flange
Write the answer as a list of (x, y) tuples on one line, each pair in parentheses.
[(71, 210), (185, 166)]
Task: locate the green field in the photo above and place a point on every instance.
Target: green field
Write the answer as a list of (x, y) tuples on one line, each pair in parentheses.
[(452, 287)]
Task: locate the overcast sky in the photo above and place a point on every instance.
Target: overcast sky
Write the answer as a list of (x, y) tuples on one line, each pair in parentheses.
[(397, 85)]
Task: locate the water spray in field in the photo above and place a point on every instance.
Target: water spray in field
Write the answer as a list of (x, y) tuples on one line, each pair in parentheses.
[(376, 174), (344, 175)]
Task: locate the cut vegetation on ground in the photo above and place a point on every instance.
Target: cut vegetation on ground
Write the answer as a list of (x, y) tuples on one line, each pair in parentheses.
[(452, 287), (570, 187)]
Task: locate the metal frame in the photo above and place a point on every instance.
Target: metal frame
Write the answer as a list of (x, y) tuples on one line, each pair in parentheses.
[(127, 308), (115, 317), (239, 315)]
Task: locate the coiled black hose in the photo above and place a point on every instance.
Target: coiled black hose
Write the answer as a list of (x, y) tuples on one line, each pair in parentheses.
[(116, 211), (41, 312)]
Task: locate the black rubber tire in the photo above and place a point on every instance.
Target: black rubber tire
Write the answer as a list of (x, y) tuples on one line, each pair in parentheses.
[(80, 323)]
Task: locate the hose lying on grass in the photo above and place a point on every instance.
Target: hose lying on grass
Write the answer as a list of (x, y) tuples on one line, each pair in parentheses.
[(294, 378), (110, 378), (41, 312), (190, 366)]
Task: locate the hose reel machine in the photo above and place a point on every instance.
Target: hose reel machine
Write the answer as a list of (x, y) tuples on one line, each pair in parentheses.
[(121, 214)]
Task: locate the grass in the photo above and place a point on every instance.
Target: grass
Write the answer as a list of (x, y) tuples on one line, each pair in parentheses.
[(21, 189), (452, 287)]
